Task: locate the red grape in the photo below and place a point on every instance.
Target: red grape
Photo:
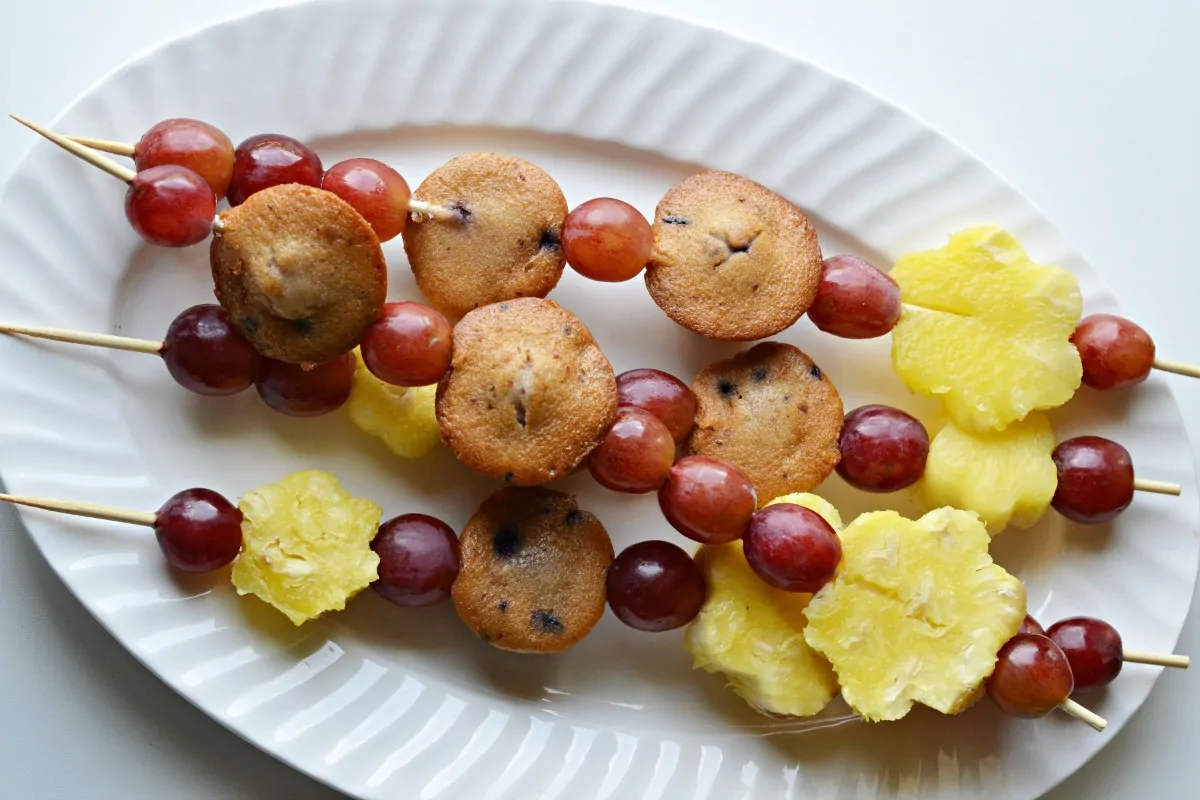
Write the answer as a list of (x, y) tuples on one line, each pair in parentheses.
[(607, 240), (707, 499), (792, 548), (188, 143), (1095, 479), (271, 159), (418, 559), (1031, 625), (1092, 647), (198, 530), (375, 190), (298, 392), (170, 206), (206, 355), (1115, 352), (883, 449), (635, 455), (409, 345), (855, 300), (654, 586), (663, 395), (1032, 677)]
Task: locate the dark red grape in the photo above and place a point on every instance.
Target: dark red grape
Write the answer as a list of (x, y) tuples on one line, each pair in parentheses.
[(170, 206), (271, 159), (206, 355), (1032, 677), (607, 240), (707, 499), (1092, 647), (855, 300), (1031, 625), (1115, 352), (1095, 479), (375, 190), (298, 392), (418, 559), (198, 530), (663, 395), (409, 345), (655, 586), (635, 455), (883, 449), (792, 547), (188, 143)]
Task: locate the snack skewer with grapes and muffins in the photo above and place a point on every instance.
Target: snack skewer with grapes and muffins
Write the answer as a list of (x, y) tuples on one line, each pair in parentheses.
[(531, 572)]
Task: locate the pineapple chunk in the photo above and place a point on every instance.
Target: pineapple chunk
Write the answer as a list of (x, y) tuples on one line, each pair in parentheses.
[(402, 417), (753, 633), (306, 545), (916, 613), (1006, 476), (986, 329)]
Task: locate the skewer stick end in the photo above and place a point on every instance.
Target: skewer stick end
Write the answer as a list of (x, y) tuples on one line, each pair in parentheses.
[(1157, 659), (1157, 487), (419, 210), (91, 156), (79, 509), (1177, 367), (1083, 715)]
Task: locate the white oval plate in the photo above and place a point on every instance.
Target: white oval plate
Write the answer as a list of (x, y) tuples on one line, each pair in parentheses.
[(383, 702)]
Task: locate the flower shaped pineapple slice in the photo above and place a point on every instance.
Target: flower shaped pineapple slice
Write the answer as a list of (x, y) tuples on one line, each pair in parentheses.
[(916, 613), (306, 545), (754, 633), (1004, 476), (402, 417), (986, 329)]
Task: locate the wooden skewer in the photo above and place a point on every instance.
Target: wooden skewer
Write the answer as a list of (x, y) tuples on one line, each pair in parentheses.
[(421, 210), (1178, 367), (104, 145), (84, 509), (90, 156), (1157, 487), (1080, 713), (80, 337), (1157, 659)]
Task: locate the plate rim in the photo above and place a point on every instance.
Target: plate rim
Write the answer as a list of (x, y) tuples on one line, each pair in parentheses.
[(612, 6)]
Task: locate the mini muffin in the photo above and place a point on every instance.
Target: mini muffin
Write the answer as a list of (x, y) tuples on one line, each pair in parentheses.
[(533, 571), (529, 393), (771, 411), (300, 273), (505, 240), (732, 260)]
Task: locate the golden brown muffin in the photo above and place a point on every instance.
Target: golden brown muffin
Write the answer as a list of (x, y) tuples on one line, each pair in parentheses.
[(504, 242), (533, 571), (732, 260), (299, 272), (771, 411), (529, 393)]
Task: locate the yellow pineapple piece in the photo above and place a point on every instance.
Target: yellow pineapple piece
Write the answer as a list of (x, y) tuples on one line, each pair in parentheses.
[(402, 417), (754, 633), (916, 613), (1004, 476), (306, 545), (986, 329)]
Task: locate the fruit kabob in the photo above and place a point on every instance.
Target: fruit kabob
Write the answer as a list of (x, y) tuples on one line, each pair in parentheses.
[(884, 449), (410, 560), (170, 207), (408, 346)]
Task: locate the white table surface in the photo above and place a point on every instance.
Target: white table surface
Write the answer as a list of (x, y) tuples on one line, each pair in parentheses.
[(1090, 107)]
